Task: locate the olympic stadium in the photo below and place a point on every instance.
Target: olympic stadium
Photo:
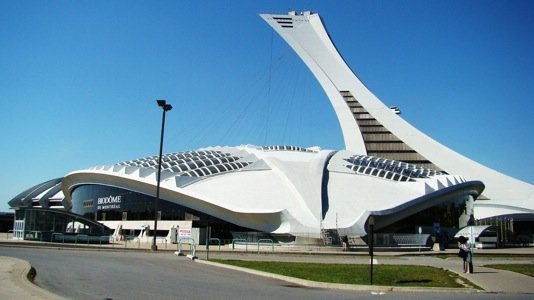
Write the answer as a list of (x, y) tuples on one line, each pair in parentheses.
[(389, 174)]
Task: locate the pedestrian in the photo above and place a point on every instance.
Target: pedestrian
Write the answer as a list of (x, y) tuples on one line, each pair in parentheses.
[(466, 254)]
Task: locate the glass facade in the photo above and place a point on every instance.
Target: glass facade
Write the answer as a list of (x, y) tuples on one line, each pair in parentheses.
[(107, 203), (514, 230), (53, 225), (441, 221)]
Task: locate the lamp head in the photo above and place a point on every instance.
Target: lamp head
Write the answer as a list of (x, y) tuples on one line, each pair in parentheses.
[(163, 104)]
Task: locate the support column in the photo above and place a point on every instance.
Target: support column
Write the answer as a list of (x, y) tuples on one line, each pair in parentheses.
[(467, 217)]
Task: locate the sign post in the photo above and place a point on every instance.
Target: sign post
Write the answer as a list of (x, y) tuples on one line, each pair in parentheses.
[(371, 245), (208, 236)]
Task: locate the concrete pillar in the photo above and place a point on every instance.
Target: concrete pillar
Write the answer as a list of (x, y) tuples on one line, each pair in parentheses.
[(467, 217)]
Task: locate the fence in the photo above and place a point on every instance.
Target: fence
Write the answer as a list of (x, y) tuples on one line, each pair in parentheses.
[(249, 241)]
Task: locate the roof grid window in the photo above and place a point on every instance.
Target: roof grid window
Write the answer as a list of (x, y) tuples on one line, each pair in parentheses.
[(172, 163), (212, 170), (196, 164), (189, 166), (212, 161), (197, 173), (193, 163), (221, 168), (381, 167)]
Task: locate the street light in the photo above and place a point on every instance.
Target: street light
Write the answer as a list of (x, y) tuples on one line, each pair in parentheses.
[(166, 107)]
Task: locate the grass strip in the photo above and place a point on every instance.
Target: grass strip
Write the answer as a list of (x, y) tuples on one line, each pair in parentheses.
[(387, 275), (518, 268)]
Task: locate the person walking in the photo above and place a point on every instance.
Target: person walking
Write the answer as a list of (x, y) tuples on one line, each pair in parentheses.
[(466, 254)]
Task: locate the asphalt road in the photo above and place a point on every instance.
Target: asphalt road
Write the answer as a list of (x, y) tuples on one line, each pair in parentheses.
[(78, 274)]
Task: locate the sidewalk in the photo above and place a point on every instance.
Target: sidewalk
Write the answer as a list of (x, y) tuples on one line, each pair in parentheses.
[(13, 272)]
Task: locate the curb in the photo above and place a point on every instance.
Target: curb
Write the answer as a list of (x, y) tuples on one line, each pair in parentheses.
[(340, 286), (20, 276)]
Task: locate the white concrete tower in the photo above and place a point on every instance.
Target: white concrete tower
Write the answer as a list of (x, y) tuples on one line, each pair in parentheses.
[(370, 127)]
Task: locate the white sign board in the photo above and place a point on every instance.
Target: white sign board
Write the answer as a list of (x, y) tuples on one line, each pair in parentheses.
[(184, 232)]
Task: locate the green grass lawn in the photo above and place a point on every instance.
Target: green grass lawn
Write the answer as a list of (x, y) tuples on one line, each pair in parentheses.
[(523, 269), (388, 275)]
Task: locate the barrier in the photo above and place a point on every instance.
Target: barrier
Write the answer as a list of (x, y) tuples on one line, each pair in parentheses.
[(402, 240), (164, 239), (179, 246), (105, 238), (240, 240), (80, 235), (214, 239), (265, 240), (56, 234), (131, 239)]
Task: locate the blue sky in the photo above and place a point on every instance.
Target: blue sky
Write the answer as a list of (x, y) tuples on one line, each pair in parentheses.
[(79, 79)]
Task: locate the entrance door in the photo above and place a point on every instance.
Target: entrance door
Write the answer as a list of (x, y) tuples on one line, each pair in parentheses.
[(18, 230)]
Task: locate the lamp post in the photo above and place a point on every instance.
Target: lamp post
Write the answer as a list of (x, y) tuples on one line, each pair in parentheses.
[(166, 107), (370, 240)]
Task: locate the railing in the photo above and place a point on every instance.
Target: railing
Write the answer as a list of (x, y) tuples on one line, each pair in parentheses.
[(214, 239), (78, 238), (81, 235), (402, 240), (259, 242), (57, 234), (161, 238), (240, 240), (263, 241), (132, 239)]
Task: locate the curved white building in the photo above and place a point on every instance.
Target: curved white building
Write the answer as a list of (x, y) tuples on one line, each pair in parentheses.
[(281, 189)]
